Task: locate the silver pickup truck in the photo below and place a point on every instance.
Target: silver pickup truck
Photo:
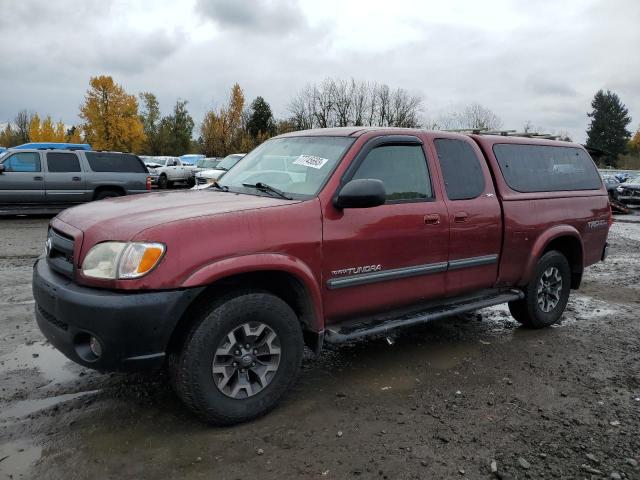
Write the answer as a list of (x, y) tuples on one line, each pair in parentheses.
[(47, 181)]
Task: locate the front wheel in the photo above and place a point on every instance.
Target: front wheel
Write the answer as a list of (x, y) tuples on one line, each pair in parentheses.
[(547, 293), (239, 359), (163, 182)]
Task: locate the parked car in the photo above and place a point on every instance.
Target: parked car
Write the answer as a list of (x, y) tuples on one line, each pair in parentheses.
[(207, 177), (53, 146), (208, 163), (629, 191), (191, 159), (611, 184), (44, 181), (166, 171), (362, 231)]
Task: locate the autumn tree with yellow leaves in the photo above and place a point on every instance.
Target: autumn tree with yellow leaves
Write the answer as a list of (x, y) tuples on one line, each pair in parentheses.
[(46, 130), (223, 131), (111, 117)]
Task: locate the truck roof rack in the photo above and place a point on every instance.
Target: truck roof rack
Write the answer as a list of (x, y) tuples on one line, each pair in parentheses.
[(505, 133)]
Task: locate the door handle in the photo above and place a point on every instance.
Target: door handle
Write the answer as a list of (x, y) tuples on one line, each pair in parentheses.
[(76, 179), (460, 217), (432, 219), (37, 178)]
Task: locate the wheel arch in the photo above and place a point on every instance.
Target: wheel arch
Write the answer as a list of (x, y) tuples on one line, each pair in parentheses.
[(105, 188), (566, 240), (292, 284)]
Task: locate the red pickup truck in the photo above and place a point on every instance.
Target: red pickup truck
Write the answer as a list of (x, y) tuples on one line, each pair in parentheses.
[(317, 236)]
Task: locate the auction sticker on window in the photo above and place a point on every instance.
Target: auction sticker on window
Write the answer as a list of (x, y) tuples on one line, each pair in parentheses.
[(311, 161)]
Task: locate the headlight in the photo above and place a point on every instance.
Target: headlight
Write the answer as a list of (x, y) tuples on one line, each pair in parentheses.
[(112, 260), (619, 189)]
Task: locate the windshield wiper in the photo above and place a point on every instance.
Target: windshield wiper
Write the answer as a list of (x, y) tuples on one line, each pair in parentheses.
[(263, 187)]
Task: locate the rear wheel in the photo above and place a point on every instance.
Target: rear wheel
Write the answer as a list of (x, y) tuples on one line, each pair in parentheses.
[(547, 293), (108, 194), (240, 357)]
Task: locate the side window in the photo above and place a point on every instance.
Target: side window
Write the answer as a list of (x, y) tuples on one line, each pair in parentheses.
[(463, 177), (62, 162), (22, 162), (402, 169)]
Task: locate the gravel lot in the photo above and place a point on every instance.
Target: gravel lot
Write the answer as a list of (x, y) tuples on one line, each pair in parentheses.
[(445, 401)]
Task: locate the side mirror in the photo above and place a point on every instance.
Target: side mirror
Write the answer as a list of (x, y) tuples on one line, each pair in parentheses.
[(363, 193)]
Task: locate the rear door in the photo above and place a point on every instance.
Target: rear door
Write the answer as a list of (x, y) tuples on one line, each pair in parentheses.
[(475, 216), (22, 180), (64, 179)]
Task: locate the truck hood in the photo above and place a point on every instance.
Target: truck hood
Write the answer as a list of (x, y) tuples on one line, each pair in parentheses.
[(122, 218), (215, 173)]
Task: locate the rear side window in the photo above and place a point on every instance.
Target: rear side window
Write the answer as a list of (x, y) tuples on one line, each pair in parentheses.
[(402, 169), (22, 162), (115, 162), (62, 162), (543, 168), (463, 177)]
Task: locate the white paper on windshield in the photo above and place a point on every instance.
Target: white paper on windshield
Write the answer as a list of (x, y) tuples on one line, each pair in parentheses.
[(311, 161)]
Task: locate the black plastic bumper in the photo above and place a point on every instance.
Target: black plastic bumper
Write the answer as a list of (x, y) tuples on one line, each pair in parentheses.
[(133, 328)]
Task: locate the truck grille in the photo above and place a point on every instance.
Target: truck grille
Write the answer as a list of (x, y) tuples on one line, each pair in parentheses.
[(201, 181), (60, 253)]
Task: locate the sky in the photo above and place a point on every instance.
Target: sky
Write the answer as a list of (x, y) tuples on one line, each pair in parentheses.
[(538, 61)]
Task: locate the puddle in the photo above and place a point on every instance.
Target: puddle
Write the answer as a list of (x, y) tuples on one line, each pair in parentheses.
[(26, 407), (16, 459), (49, 362)]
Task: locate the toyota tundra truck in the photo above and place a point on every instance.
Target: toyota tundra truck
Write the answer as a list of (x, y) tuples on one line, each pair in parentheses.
[(317, 237)]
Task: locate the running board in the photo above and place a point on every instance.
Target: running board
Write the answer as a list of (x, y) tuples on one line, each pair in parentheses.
[(351, 330)]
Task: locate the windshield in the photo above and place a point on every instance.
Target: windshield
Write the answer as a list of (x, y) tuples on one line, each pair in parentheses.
[(298, 166), (229, 161), (635, 179), (157, 161), (206, 163)]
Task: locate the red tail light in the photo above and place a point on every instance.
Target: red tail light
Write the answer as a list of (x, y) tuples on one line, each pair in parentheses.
[(148, 183)]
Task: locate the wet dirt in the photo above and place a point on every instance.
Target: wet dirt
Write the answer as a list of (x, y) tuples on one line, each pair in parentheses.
[(443, 401)]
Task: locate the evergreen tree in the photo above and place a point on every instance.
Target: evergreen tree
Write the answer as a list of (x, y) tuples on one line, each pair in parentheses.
[(176, 130), (608, 128), (260, 118), (150, 116)]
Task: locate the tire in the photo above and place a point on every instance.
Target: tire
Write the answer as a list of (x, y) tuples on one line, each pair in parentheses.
[(220, 398), (542, 309), (162, 181), (108, 194), (191, 182)]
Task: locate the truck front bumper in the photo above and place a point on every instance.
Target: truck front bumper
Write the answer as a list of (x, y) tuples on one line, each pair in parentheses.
[(132, 329)]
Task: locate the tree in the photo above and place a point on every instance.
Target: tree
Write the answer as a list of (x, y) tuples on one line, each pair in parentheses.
[(9, 137), (176, 130), (222, 131), (34, 128), (150, 116), (21, 122), (260, 118), (111, 117), (73, 135), (607, 131), (340, 103)]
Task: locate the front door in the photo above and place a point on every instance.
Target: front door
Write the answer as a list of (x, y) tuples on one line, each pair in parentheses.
[(22, 180), (475, 217), (393, 255), (64, 179)]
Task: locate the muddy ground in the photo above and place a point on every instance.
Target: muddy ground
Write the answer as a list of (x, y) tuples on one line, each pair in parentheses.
[(444, 401)]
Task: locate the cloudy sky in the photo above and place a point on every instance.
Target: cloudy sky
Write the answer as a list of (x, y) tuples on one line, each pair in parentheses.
[(540, 60)]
